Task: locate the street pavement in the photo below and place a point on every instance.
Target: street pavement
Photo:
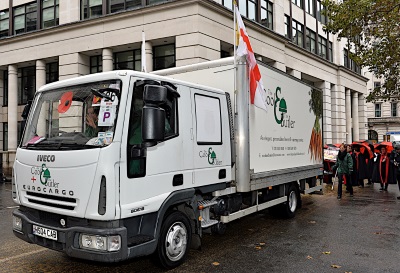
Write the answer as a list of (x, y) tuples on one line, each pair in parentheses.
[(358, 235)]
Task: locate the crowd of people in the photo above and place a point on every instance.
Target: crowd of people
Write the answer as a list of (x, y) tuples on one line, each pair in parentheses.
[(358, 162)]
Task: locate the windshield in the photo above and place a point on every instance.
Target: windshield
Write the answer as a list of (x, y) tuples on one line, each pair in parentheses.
[(77, 117)]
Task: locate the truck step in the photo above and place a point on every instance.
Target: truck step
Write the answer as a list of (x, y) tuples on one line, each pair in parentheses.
[(206, 203), (208, 223)]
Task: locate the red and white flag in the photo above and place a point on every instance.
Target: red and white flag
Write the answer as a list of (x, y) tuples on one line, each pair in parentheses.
[(257, 93)]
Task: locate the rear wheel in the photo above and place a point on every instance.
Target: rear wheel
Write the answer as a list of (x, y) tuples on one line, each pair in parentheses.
[(290, 206), (174, 241)]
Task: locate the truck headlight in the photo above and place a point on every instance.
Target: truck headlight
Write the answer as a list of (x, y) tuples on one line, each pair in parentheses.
[(17, 223), (100, 243)]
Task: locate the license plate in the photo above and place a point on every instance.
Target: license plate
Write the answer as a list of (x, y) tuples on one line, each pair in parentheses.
[(45, 232)]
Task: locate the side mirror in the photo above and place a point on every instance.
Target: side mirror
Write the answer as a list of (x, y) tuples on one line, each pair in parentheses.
[(153, 123), (153, 117)]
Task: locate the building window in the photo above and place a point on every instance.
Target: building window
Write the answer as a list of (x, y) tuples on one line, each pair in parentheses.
[(310, 7), (5, 88), (378, 110), (156, 1), (266, 14), (164, 57), (5, 136), (372, 135), (393, 109), (227, 3), (248, 8), (377, 85), (4, 23), (91, 8), (297, 33), (51, 72), (120, 5), (50, 13), (346, 58), (321, 17), (26, 84), (128, 60), (25, 18), (298, 3), (96, 64), (287, 27), (311, 42), (322, 47), (330, 48), (224, 54)]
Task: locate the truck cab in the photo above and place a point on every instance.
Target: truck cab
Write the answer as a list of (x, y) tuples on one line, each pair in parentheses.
[(109, 165)]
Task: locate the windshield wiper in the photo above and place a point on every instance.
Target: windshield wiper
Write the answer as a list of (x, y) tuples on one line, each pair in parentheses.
[(101, 93)]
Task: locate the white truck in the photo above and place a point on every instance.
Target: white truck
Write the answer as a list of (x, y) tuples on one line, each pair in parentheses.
[(158, 161)]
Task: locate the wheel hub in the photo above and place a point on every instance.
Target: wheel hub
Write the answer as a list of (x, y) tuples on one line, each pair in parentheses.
[(176, 241)]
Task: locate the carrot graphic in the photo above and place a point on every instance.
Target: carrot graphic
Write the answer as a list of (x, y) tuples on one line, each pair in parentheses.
[(315, 146)]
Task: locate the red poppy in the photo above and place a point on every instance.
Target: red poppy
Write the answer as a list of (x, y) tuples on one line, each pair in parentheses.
[(65, 102)]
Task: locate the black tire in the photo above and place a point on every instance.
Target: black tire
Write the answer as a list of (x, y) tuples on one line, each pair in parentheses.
[(174, 241), (290, 206)]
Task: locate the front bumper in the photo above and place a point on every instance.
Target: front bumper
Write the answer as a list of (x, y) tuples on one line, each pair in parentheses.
[(68, 237)]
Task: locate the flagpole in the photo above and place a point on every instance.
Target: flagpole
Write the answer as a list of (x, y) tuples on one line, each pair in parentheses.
[(143, 53), (234, 54)]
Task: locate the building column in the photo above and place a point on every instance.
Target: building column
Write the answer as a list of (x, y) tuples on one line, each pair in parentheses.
[(338, 114), (354, 113), (108, 64), (349, 135), (327, 111), (12, 107), (148, 47), (40, 73), (362, 116)]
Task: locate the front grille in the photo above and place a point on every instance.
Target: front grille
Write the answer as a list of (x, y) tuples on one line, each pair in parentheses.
[(66, 203)]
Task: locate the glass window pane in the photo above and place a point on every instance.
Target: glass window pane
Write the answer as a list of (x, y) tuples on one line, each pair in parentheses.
[(117, 5), (133, 3), (47, 3), (4, 15), (243, 8), (4, 25), (228, 4), (124, 56), (166, 50), (19, 23), (31, 20), (48, 17), (264, 3), (19, 10), (156, 1), (93, 3), (31, 7), (252, 11)]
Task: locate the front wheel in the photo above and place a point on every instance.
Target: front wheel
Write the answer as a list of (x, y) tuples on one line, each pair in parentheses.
[(174, 241)]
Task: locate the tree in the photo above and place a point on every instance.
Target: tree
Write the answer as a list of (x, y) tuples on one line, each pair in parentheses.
[(372, 28)]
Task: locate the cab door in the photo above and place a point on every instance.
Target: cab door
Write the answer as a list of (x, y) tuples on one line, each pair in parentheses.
[(162, 169)]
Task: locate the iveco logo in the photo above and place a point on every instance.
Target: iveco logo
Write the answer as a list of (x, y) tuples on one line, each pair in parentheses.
[(46, 158)]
